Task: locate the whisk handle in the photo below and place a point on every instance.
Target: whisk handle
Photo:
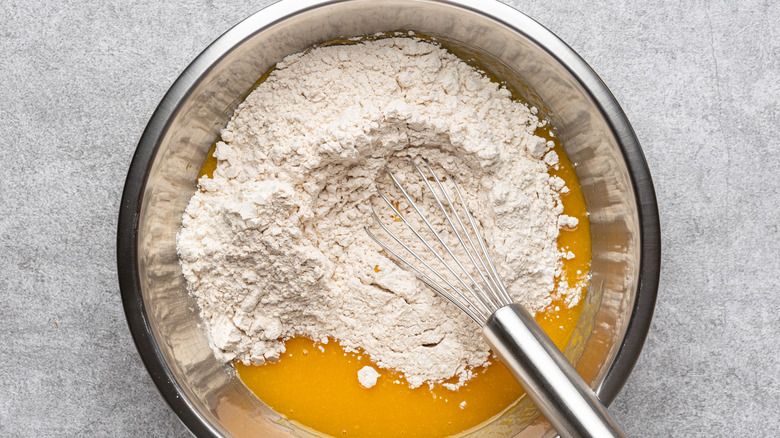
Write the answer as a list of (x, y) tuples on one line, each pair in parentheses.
[(548, 378)]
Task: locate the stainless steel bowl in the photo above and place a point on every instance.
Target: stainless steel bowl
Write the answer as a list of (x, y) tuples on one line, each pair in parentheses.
[(164, 320)]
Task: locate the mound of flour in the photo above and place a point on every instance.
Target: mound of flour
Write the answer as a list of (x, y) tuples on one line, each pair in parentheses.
[(273, 244)]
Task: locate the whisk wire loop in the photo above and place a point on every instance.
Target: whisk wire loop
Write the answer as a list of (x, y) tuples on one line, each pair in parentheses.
[(474, 314), (488, 280), (485, 310), (479, 294), (425, 278), (507, 299), (477, 300)]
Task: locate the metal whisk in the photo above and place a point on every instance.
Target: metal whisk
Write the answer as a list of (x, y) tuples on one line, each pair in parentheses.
[(548, 378)]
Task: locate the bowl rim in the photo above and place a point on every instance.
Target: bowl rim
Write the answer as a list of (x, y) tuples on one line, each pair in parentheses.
[(132, 196)]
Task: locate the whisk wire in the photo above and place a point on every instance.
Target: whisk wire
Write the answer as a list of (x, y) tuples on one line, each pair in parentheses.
[(489, 274), (493, 296), (495, 277), (425, 278), (485, 300), (479, 294), (485, 309), (479, 318)]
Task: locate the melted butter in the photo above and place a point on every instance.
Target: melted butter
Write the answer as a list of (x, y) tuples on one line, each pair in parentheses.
[(316, 385)]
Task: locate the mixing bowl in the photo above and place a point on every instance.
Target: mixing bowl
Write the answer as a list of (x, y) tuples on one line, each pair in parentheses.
[(206, 394)]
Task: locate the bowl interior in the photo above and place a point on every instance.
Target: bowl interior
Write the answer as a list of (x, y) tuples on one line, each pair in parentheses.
[(164, 319)]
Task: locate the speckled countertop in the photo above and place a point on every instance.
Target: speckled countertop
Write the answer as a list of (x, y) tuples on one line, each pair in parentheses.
[(699, 80)]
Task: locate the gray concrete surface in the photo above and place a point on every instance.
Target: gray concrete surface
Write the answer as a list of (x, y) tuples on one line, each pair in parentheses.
[(699, 80)]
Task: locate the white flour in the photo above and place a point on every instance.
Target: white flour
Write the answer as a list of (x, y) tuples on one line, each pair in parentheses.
[(367, 376), (273, 245)]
